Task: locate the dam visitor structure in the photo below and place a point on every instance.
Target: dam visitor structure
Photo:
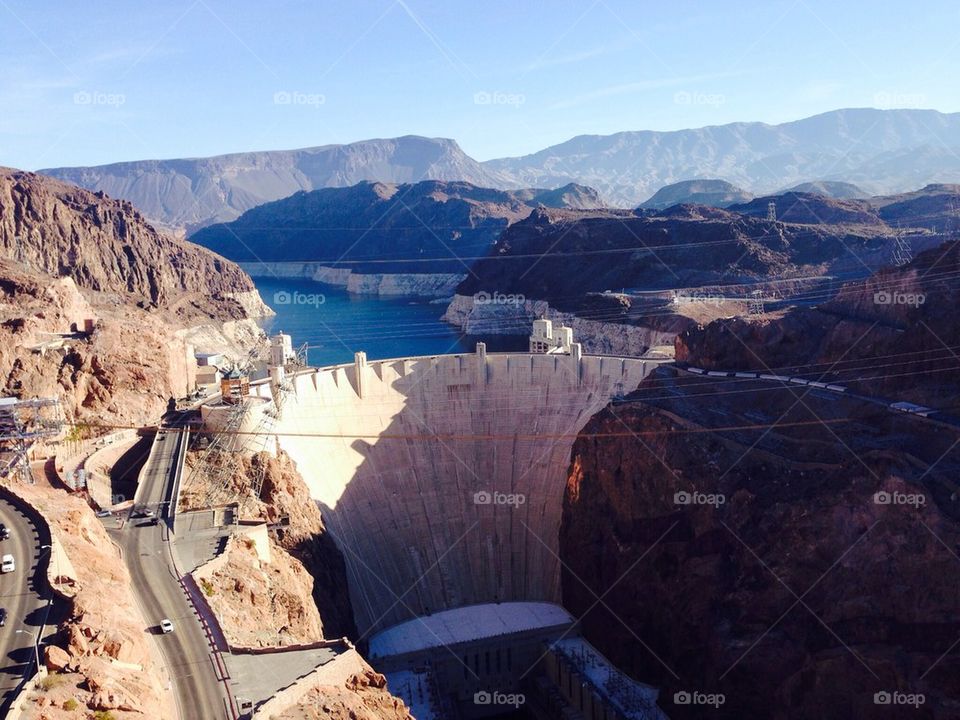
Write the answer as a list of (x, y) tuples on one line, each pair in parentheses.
[(441, 479)]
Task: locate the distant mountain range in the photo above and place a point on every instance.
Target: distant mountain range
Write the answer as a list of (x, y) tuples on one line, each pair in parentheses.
[(881, 151), (189, 194)]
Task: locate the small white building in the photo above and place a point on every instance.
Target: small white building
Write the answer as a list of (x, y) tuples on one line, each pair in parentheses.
[(544, 339), (281, 350)]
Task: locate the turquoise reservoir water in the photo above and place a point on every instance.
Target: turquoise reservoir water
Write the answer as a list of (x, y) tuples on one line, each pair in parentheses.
[(335, 324)]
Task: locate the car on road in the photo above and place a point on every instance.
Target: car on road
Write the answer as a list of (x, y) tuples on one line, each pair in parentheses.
[(3, 617), (166, 626), (7, 563), (4, 532), (103, 513)]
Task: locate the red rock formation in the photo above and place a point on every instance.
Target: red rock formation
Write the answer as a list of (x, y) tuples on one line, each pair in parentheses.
[(285, 502)]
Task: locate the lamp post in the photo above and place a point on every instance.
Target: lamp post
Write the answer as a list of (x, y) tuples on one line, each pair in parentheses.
[(36, 645)]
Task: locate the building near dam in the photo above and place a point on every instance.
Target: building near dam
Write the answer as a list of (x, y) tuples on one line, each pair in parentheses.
[(442, 479)]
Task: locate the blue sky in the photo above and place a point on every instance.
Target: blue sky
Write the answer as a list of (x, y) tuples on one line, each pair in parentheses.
[(91, 83)]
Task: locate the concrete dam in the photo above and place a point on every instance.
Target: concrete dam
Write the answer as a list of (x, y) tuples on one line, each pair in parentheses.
[(442, 478)]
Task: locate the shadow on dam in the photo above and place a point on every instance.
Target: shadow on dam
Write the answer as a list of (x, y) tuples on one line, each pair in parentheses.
[(442, 480)]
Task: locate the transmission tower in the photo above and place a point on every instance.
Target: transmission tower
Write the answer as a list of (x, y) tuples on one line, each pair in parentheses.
[(755, 305), (22, 423)]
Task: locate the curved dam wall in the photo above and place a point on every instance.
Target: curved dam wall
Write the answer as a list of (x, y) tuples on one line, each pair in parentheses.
[(447, 484)]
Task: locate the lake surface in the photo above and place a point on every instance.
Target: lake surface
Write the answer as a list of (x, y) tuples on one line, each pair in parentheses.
[(336, 324)]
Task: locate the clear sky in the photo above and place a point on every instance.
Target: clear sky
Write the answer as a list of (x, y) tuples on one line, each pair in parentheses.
[(96, 82)]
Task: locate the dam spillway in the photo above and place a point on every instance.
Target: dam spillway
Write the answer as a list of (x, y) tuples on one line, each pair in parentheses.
[(442, 478)]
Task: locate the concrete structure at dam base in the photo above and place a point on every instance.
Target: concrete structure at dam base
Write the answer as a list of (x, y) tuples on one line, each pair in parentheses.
[(483, 661)]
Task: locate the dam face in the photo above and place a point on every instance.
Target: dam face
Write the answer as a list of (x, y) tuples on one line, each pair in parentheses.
[(442, 478)]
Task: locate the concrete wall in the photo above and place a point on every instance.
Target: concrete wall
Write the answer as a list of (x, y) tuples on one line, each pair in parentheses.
[(442, 435)]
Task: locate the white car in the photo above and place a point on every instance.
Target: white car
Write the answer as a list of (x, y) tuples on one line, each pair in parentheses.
[(7, 564), (166, 626)]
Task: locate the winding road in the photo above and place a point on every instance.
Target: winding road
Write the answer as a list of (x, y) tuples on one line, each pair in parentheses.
[(147, 552), (23, 596)]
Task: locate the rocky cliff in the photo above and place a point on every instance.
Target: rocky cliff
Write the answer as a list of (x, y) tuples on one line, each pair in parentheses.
[(904, 316), (363, 696), (790, 549), (106, 245), (561, 255), (301, 541), (260, 598), (99, 308)]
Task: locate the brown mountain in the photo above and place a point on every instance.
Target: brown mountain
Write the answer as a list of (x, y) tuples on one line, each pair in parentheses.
[(562, 255), (72, 260), (373, 224)]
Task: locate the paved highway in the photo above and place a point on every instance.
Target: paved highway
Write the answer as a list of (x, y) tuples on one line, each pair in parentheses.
[(22, 594), (146, 550)]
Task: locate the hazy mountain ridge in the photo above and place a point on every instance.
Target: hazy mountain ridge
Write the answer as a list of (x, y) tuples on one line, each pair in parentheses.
[(830, 188), (195, 192), (877, 149), (882, 151), (715, 193)]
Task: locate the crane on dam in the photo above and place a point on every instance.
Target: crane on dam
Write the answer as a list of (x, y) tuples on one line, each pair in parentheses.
[(233, 431)]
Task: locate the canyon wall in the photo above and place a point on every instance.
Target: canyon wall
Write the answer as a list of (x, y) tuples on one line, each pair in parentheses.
[(101, 310), (791, 548)]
